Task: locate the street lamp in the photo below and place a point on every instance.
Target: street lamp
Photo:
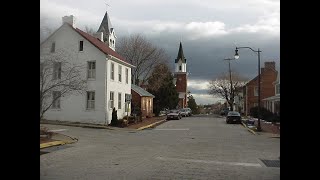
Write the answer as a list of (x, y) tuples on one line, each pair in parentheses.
[(236, 56), (231, 89)]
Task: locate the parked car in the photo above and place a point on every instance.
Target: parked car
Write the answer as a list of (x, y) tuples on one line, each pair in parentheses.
[(174, 114), (233, 117), (189, 111), (184, 112)]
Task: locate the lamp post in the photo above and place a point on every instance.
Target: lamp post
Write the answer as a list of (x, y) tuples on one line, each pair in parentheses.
[(236, 56), (231, 89)]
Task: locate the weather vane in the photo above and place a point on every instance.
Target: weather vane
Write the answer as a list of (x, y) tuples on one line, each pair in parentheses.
[(107, 5)]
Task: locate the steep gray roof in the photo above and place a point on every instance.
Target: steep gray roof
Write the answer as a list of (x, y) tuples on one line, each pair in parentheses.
[(141, 91), (180, 55), (105, 25)]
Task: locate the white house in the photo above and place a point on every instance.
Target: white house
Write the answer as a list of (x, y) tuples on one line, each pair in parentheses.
[(108, 74)]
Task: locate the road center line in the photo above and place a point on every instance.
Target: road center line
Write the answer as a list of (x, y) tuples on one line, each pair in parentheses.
[(173, 129), (210, 162)]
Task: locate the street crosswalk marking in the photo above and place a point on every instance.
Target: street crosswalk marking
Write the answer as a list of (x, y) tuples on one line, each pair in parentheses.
[(210, 162)]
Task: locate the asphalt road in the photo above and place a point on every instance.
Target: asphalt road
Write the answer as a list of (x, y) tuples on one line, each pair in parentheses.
[(198, 147)]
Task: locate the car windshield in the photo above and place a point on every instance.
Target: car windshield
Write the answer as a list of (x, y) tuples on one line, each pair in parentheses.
[(233, 113)]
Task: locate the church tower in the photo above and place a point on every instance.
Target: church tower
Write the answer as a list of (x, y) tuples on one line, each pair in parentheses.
[(109, 36), (181, 77)]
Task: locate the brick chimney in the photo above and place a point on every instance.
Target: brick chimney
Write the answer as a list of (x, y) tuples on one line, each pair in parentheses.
[(270, 65), (99, 35), (70, 20)]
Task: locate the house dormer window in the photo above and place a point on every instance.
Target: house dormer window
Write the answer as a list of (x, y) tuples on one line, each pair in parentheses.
[(81, 46)]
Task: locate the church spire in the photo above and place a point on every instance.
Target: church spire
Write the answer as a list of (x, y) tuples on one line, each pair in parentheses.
[(106, 28), (180, 55), (105, 25)]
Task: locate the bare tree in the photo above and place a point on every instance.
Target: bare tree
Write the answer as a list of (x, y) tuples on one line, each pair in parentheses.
[(158, 76), (141, 53), (226, 87), (59, 74)]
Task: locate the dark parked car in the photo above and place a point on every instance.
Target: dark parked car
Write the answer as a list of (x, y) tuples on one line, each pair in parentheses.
[(233, 117), (174, 114)]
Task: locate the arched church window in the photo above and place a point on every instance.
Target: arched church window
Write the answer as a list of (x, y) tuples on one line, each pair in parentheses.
[(180, 68)]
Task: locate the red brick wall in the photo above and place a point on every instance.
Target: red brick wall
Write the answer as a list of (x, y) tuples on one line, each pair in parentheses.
[(139, 101), (136, 99), (181, 84), (268, 76)]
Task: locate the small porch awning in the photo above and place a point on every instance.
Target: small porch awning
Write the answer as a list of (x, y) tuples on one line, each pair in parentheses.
[(272, 98)]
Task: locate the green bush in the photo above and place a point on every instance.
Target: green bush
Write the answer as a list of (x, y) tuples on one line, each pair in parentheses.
[(114, 120), (265, 114)]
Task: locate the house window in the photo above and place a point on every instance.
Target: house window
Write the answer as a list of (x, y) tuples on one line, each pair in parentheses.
[(112, 71), (119, 100), (255, 91), (278, 89), (56, 70), (127, 97), (127, 75), (53, 47), (92, 69), (56, 99), (111, 99), (81, 46), (90, 99), (180, 68), (120, 73)]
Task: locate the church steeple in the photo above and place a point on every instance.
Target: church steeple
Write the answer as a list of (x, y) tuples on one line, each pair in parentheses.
[(181, 61), (106, 27), (180, 77), (181, 55)]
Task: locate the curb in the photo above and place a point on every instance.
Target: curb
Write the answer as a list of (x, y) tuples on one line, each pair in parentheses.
[(77, 125), (151, 125), (54, 143), (250, 130)]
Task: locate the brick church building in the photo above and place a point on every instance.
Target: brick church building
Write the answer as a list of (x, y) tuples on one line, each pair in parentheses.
[(180, 78)]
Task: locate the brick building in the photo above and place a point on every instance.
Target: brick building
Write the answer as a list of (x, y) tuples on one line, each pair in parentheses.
[(268, 76), (143, 100)]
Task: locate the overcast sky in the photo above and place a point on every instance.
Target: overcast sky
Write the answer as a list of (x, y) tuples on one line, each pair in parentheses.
[(209, 30)]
